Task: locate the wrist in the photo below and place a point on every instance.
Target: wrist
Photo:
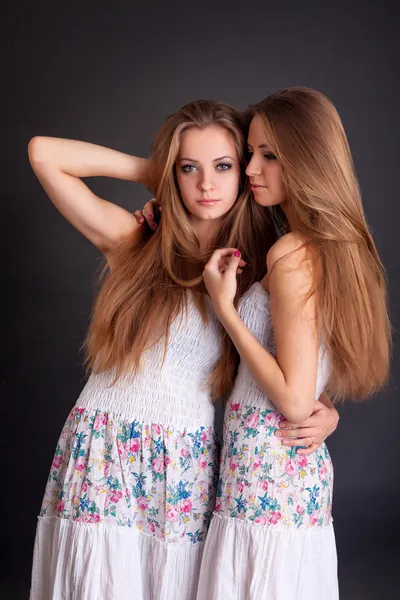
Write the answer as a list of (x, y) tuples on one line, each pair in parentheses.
[(225, 309)]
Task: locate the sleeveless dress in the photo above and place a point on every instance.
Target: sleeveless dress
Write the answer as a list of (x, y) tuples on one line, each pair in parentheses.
[(271, 536), (132, 486)]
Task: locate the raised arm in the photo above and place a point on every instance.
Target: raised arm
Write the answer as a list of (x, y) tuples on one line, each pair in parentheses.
[(59, 165)]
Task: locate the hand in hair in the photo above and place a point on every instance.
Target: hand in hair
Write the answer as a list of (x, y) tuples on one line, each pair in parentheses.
[(220, 277), (149, 214)]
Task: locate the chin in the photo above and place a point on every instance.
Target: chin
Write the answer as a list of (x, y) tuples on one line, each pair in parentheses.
[(262, 200)]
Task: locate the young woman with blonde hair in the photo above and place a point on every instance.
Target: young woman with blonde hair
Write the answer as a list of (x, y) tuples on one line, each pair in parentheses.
[(317, 321)]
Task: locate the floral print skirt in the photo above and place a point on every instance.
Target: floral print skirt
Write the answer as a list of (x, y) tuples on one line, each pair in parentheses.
[(127, 495), (272, 534)]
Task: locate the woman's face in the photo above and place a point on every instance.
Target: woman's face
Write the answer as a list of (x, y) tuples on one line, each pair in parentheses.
[(208, 172), (263, 170)]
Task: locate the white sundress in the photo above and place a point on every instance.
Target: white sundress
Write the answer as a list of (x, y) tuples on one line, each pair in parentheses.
[(271, 536), (132, 486)]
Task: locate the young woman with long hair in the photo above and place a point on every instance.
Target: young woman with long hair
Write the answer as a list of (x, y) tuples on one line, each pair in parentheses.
[(317, 321), (132, 485)]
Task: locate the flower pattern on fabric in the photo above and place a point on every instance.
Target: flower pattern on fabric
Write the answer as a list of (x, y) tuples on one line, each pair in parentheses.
[(157, 479), (266, 483)]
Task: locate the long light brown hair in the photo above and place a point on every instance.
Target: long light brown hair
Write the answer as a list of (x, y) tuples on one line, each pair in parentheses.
[(146, 288), (305, 132)]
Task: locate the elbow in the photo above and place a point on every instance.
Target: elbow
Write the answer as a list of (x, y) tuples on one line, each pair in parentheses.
[(37, 150), (298, 414)]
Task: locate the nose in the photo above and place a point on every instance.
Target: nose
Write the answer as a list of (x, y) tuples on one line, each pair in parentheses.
[(205, 182), (254, 167)]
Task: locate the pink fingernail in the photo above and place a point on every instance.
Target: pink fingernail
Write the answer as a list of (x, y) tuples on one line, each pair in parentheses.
[(150, 217), (153, 226), (236, 253), (141, 220)]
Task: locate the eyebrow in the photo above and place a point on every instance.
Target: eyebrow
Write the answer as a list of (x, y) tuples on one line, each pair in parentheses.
[(260, 146), (215, 159)]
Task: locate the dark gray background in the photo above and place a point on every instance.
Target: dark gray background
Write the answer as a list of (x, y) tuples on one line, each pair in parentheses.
[(110, 74)]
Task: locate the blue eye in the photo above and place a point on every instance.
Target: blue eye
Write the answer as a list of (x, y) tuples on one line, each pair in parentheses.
[(224, 166), (188, 168)]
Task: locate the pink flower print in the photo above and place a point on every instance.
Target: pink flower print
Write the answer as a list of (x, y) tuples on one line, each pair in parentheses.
[(314, 518), (147, 441), (252, 421), (240, 487), (94, 518), (152, 527), (204, 437), (80, 465), (218, 505), (158, 465), (57, 462), (264, 485), (142, 503), (184, 453), (116, 497), (157, 429), (299, 509), (106, 502), (262, 519), (135, 445), (256, 464), (275, 517), (233, 464), (323, 471), (167, 460), (122, 451), (81, 518), (85, 487), (302, 461), (99, 421), (201, 462), (272, 419), (186, 505), (60, 507), (291, 468), (235, 407), (172, 514)]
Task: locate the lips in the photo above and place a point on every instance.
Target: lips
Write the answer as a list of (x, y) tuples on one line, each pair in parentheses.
[(207, 201)]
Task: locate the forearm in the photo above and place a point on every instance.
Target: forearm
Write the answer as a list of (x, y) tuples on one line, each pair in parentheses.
[(294, 403), (83, 159)]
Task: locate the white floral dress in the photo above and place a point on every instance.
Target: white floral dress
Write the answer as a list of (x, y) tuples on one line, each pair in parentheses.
[(132, 486), (271, 536)]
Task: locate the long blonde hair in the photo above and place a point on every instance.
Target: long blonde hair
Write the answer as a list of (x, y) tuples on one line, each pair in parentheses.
[(146, 287), (304, 131)]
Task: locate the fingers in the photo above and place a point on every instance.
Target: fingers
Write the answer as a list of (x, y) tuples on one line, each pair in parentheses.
[(224, 262), (296, 432), (305, 442), (307, 451), (218, 255), (149, 212), (139, 216)]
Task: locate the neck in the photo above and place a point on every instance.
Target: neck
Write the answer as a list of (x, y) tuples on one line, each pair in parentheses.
[(204, 231), (288, 210)]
